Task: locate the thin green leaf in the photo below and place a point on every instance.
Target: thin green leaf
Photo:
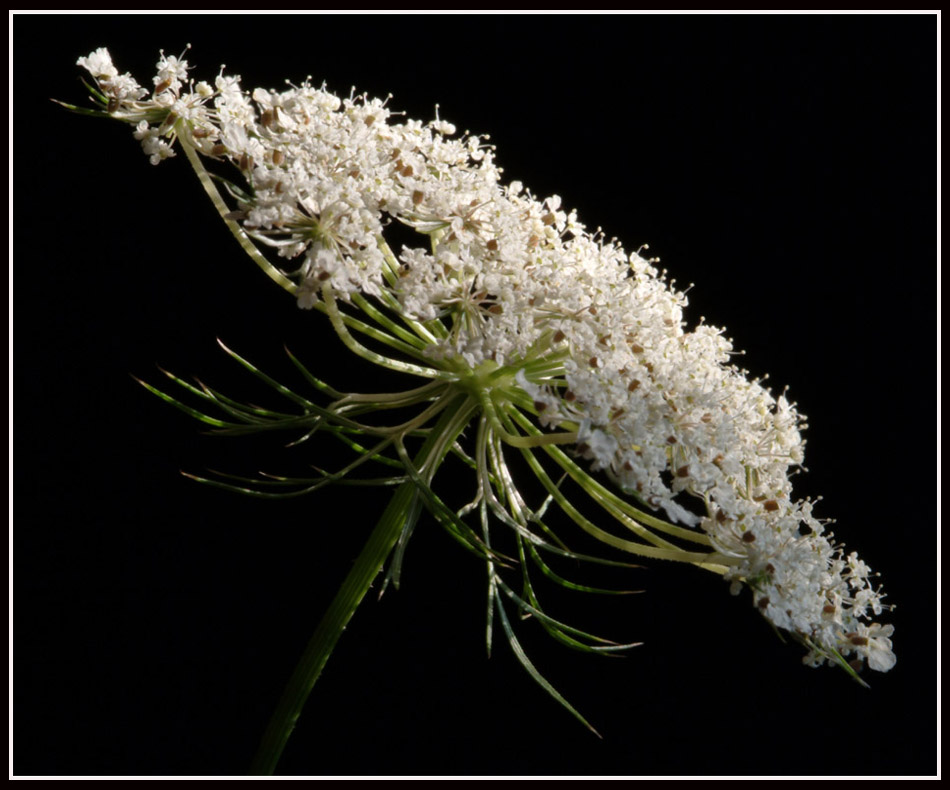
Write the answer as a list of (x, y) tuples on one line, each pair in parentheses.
[(526, 663), (492, 575), (449, 520), (573, 555), (285, 391), (558, 579), (82, 110), (254, 492), (269, 480), (200, 416), (339, 433), (239, 194), (316, 383), (248, 411), (411, 517), (546, 619)]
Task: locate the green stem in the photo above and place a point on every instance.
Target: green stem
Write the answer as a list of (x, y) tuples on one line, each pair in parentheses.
[(268, 268), (236, 230), (339, 325), (360, 578)]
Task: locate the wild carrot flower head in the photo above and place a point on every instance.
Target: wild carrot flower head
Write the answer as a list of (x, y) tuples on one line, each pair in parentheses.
[(559, 345)]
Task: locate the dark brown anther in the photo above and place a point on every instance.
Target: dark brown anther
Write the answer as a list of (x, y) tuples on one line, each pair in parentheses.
[(770, 505), (246, 162), (829, 608), (763, 602), (636, 348), (218, 149), (633, 386), (683, 471), (858, 640), (164, 85), (417, 197), (200, 134), (267, 118), (277, 157), (492, 244), (569, 396), (671, 440), (324, 276), (548, 219), (559, 336), (407, 171), (594, 362), (583, 448), (628, 466), (540, 405), (369, 120), (748, 537), (721, 517), (496, 309)]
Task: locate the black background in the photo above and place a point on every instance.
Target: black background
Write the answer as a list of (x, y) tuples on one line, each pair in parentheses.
[(784, 164)]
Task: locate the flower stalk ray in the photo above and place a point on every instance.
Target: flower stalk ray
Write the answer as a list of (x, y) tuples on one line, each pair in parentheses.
[(545, 354)]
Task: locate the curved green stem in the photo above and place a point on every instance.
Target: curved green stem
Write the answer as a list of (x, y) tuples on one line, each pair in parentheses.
[(383, 320), (515, 440), (236, 230), (656, 552), (360, 578), (604, 496), (339, 325), (429, 331), (269, 269)]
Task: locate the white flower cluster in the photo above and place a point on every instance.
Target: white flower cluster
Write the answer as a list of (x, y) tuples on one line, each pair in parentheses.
[(660, 409)]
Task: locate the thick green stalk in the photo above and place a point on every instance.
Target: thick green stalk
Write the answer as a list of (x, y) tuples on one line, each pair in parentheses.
[(367, 566)]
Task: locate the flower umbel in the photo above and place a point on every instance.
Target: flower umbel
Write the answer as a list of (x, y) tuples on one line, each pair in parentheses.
[(560, 348)]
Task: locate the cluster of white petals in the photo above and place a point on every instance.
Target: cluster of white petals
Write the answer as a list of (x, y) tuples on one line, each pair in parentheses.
[(656, 406)]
